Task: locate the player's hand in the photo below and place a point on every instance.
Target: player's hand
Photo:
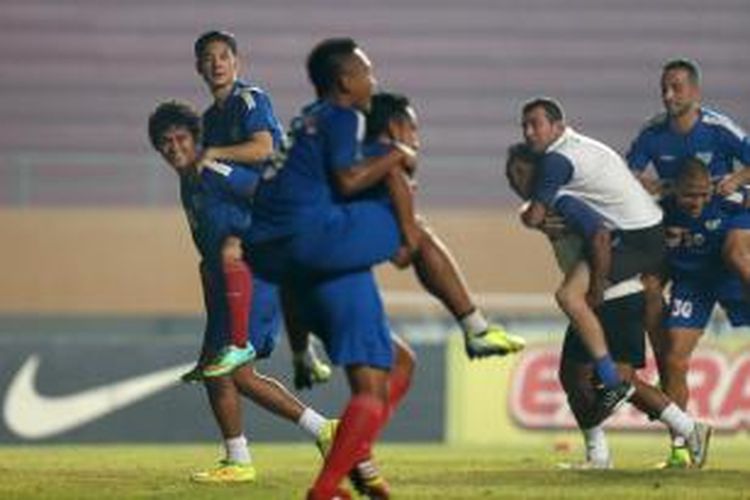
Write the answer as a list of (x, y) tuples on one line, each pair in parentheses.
[(207, 157), (728, 184), (553, 226), (652, 185)]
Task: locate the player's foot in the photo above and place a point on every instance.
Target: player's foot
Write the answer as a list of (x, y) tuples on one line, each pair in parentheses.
[(228, 471), (325, 438), (495, 341), (679, 458), (368, 481), (228, 360), (339, 494), (697, 443), (587, 465), (309, 370), (611, 399), (194, 376)]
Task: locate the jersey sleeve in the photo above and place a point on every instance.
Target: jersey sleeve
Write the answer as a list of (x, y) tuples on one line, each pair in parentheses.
[(580, 217), (345, 132), (735, 141), (553, 171), (256, 112), (739, 219), (638, 156), (236, 180)]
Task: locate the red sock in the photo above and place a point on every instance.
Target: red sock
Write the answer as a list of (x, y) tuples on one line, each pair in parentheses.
[(239, 292), (359, 425), (399, 384), (398, 387)]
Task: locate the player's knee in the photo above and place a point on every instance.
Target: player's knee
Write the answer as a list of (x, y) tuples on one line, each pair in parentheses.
[(676, 364), (231, 250)]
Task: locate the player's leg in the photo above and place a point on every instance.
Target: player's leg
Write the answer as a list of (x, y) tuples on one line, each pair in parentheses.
[(689, 310), (736, 254), (577, 379), (441, 276), (571, 296), (226, 407), (351, 320), (309, 368), (235, 282), (654, 317), (654, 403)]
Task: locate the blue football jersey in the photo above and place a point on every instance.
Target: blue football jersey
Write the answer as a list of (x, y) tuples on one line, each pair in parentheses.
[(694, 245), (247, 110), (715, 140), (325, 138)]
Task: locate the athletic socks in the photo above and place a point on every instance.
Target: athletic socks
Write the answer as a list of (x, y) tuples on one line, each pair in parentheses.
[(399, 386), (474, 323), (595, 440), (236, 449), (238, 282), (359, 425), (677, 420), (607, 371), (312, 422)]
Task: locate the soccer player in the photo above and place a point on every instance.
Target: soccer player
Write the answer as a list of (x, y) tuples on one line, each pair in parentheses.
[(214, 197), (621, 315), (704, 231), (240, 126), (687, 129), (573, 164)]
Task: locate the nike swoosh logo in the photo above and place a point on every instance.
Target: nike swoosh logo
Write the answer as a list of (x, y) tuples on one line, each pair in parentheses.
[(34, 416)]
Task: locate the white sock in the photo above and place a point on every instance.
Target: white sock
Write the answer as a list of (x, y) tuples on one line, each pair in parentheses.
[(474, 323), (312, 422), (237, 450), (677, 420), (597, 449)]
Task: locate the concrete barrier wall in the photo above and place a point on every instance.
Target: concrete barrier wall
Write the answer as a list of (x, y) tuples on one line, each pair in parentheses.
[(142, 261)]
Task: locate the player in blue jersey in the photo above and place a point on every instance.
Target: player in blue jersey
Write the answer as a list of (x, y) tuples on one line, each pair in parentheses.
[(708, 243), (621, 316), (214, 196), (689, 130), (571, 163), (240, 126)]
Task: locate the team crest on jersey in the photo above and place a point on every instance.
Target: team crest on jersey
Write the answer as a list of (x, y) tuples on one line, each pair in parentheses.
[(712, 224), (698, 240), (705, 157)]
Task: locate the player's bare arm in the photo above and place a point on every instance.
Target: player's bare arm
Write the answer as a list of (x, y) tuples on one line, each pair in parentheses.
[(258, 148), (370, 172)]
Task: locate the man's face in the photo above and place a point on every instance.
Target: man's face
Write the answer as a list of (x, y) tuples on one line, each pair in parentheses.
[(691, 195), (678, 93), (358, 80), (218, 65), (521, 177), (177, 147), (406, 130), (538, 131)]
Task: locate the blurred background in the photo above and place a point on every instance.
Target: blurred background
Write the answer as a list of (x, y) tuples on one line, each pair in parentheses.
[(98, 275)]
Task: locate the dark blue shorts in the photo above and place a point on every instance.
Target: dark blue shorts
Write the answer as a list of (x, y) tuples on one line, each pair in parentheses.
[(692, 303), (346, 311)]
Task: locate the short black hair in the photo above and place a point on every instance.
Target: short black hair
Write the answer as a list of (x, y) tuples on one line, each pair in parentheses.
[(692, 169), (212, 36), (173, 114), (325, 64), (520, 152), (385, 106), (552, 108), (687, 65)]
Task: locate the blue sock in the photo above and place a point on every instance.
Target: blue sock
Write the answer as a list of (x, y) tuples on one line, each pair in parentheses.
[(607, 371)]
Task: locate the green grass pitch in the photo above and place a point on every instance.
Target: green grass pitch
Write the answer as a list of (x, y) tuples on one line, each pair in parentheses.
[(517, 470)]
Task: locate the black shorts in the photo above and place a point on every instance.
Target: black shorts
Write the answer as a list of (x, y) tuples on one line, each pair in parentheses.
[(622, 319), (638, 251)]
